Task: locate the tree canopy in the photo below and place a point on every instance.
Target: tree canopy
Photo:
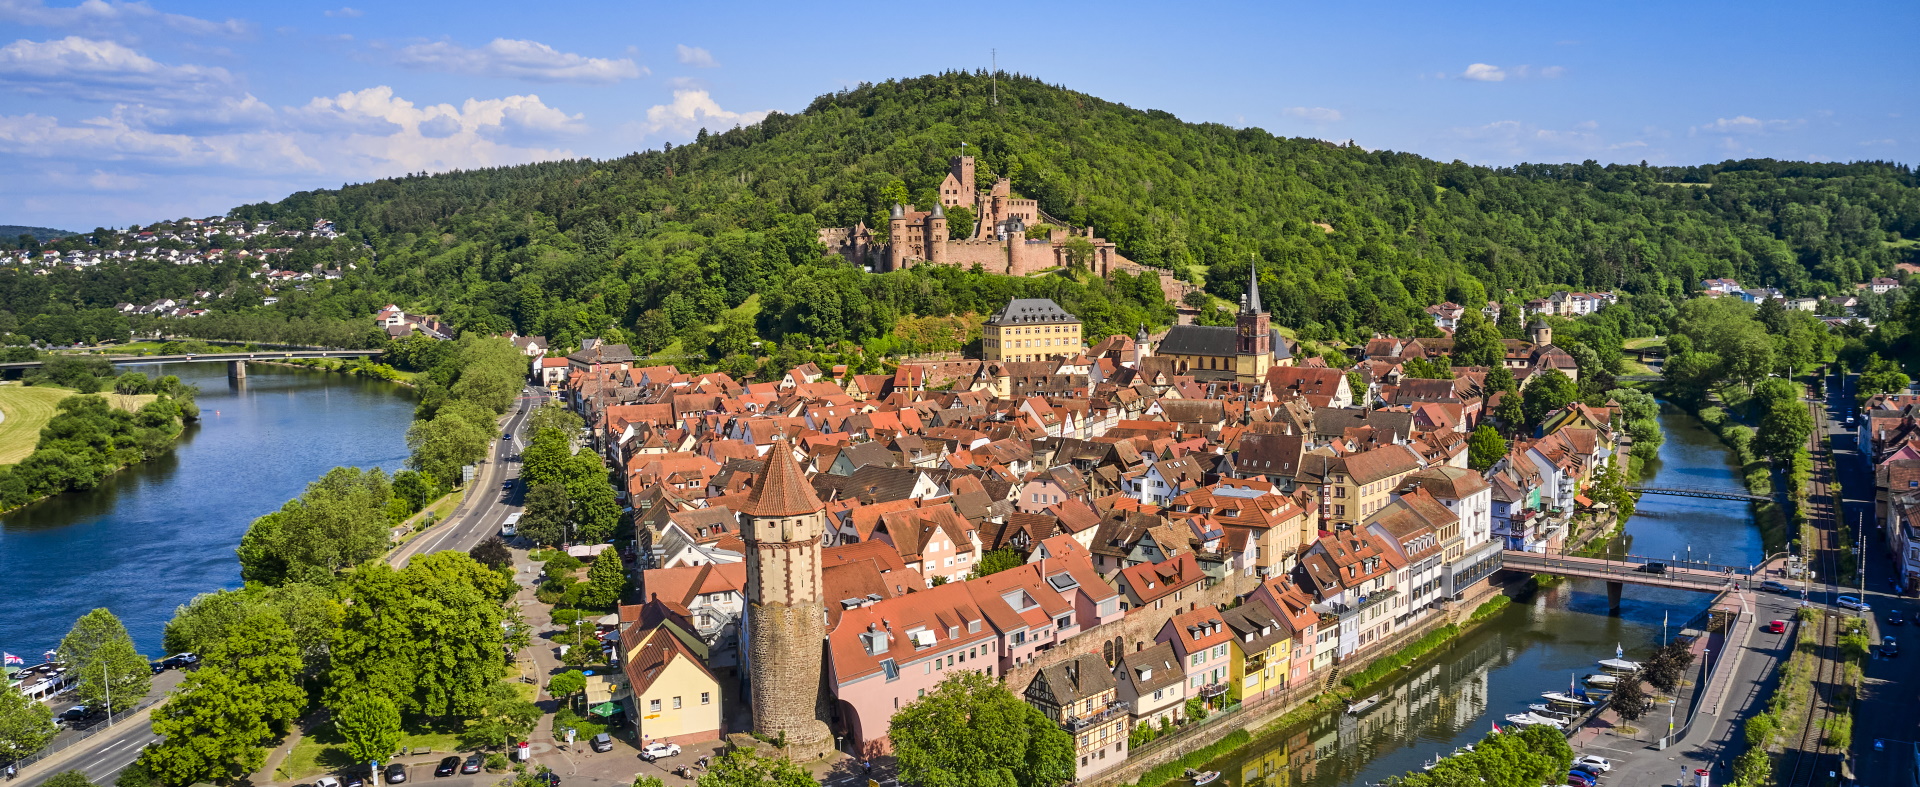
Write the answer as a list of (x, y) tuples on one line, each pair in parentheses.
[(973, 732)]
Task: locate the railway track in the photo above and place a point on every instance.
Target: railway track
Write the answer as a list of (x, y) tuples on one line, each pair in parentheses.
[(1803, 762)]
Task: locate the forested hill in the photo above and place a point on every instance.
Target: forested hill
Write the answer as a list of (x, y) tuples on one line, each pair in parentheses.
[(10, 234), (1350, 241)]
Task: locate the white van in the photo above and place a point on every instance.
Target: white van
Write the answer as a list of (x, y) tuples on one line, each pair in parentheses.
[(511, 527)]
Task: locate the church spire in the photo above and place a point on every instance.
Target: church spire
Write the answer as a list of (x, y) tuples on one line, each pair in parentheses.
[(1253, 285)]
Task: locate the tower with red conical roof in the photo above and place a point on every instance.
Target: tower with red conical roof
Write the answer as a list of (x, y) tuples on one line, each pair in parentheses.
[(782, 523)]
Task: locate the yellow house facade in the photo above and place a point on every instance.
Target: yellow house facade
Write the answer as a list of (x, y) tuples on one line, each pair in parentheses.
[(1031, 329), (1262, 651), (673, 697)]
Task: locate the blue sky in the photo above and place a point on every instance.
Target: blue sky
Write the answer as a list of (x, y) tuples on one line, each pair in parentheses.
[(125, 112)]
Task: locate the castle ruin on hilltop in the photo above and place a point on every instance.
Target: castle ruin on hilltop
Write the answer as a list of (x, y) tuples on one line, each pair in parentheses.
[(998, 244)]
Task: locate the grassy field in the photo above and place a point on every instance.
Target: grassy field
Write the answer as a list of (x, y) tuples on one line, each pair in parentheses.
[(322, 751), (26, 409)]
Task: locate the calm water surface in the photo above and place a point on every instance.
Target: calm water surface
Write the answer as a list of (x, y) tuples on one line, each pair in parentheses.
[(154, 536), (1501, 667)]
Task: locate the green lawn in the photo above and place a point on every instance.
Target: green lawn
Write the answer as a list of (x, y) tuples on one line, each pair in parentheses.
[(320, 751), (27, 408)]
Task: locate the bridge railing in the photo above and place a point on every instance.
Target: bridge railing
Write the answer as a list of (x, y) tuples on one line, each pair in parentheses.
[(1630, 566)]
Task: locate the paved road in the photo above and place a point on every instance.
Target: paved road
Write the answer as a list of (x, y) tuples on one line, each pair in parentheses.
[(486, 504), (479, 515), (1887, 711)]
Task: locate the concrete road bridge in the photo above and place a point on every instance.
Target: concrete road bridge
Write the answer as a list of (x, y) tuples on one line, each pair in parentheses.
[(236, 361), (1631, 569)]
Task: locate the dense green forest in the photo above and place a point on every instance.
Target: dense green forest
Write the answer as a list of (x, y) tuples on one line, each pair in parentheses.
[(10, 235), (664, 244)]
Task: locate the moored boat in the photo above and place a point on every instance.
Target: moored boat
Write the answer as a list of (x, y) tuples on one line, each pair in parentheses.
[(1567, 699), (1619, 666), (1601, 681), (1363, 706), (1203, 777)]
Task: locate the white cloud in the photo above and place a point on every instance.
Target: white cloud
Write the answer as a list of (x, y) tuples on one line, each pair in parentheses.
[(1314, 114), (519, 59), (1743, 124), (93, 70), (694, 109), (1481, 72), (1485, 72), (102, 16), (345, 12), (695, 56)]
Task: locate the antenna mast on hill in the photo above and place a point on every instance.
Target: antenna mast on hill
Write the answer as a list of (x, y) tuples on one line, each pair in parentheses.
[(995, 76)]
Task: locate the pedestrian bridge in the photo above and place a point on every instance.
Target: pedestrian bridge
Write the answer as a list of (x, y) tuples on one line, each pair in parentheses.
[(1617, 572), (1698, 491), (263, 355)]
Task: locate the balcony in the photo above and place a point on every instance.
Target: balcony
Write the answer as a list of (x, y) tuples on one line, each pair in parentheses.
[(1113, 709), (1212, 690)]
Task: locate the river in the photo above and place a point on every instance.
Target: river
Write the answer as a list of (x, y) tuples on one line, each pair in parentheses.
[(152, 537), (1498, 668)]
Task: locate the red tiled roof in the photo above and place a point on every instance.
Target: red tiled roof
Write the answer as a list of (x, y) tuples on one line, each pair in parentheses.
[(781, 489)]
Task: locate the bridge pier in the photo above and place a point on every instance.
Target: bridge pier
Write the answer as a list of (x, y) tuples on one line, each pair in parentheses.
[(236, 370), (1613, 597)]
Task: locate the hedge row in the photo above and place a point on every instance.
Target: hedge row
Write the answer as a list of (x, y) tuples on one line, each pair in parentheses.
[(1169, 771), (1385, 665)]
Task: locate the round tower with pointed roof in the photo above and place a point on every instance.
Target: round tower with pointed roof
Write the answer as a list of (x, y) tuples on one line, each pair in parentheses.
[(782, 523)]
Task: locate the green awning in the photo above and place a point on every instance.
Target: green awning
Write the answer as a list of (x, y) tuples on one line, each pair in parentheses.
[(605, 709)]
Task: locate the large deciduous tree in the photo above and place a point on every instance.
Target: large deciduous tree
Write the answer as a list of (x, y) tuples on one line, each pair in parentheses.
[(1546, 392), (339, 522), (1477, 342), (595, 511), (744, 768), (606, 581), (370, 726), (101, 655), (544, 461), (1485, 447), (25, 725), (972, 731), (547, 514), (214, 727)]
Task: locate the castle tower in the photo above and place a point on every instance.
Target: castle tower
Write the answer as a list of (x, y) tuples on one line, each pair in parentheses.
[(937, 235), (1253, 336), (897, 238), (782, 523), (1540, 333), (961, 168)]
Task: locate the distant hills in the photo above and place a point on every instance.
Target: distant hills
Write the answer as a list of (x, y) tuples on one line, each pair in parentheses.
[(12, 232)]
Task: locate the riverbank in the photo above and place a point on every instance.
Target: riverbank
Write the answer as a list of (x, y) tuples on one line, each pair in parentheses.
[(97, 437), (358, 367), (156, 534), (1169, 756)]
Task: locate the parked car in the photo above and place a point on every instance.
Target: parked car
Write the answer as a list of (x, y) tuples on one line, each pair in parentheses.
[(601, 743), (353, 778), (1595, 761), (181, 660), (1849, 602), (657, 750), (1772, 586), (548, 778), (76, 713), (1581, 779), (1777, 627), (448, 766), (326, 781), (473, 763), (396, 773)]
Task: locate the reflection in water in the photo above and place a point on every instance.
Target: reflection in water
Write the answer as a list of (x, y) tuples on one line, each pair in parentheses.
[(1534, 646), (155, 535)]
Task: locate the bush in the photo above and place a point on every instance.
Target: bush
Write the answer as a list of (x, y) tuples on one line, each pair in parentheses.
[(498, 762), (565, 616), (1400, 658), (1169, 771), (1489, 609)]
